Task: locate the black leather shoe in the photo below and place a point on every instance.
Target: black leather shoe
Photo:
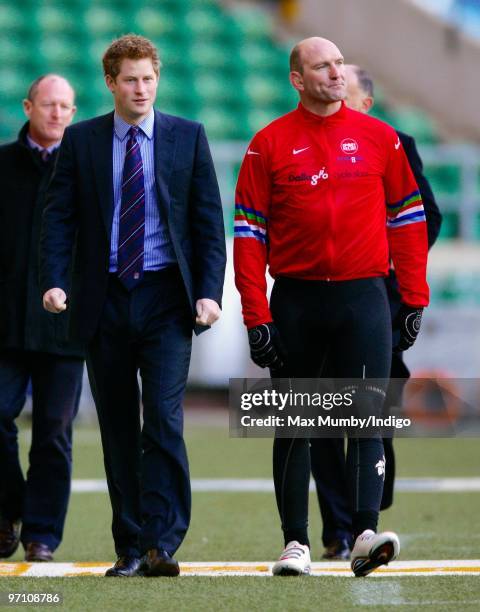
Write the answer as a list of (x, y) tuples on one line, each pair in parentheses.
[(9, 537), (125, 567), (338, 550), (36, 551), (157, 562)]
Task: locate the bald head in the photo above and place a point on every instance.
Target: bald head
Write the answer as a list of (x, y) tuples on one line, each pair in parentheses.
[(44, 80), (351, 71), (359, 88), (317, 72), (49, 106), (314, 45)]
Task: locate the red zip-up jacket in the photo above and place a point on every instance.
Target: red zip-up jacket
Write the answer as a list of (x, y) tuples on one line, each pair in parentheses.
[(327, 198)]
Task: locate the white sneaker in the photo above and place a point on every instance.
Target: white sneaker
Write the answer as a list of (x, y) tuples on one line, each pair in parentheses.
[(294, 561), (372, 550)]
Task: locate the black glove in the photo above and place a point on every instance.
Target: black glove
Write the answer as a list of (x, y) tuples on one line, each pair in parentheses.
[(266, 348), (408, 321)]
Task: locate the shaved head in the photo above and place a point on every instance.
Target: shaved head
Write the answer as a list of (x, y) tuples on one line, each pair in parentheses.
[(305, 48), (317, 72)]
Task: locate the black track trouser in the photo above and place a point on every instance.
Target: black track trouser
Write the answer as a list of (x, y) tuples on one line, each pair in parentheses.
[(343, 327), (327, 455)]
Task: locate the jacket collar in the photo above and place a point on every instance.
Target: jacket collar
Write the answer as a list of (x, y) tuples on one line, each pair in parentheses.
[(307, 115), (34, 152), (101, 152)]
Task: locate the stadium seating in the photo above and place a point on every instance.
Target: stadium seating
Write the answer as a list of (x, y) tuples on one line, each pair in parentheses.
[(198, 39), (223, 67)]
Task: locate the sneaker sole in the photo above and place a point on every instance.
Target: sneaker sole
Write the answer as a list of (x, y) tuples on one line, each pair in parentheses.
[(380, 556), (291, 571)]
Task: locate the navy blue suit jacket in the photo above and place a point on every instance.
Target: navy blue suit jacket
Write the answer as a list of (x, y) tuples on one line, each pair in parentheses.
[(77, 221), (432, 212)]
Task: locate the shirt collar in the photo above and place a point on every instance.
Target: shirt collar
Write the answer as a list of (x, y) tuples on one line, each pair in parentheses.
[(34, 145), (121, 126), (313, 117)]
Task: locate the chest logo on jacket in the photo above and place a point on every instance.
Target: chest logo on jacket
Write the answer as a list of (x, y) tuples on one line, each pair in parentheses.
[(349, 146), (313, 178)]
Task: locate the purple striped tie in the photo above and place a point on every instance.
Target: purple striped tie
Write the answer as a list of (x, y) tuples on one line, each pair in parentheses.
[(132, 215)]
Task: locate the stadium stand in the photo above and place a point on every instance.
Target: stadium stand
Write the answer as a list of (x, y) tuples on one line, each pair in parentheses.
[(225, 66), (222, 65), (464, 14), (219, 64)]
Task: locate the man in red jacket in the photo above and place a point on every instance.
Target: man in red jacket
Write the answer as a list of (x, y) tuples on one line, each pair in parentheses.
[(325, 196), (327, 455)]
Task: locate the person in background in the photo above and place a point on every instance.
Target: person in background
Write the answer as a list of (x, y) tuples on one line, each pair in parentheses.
[(327, 455), (32, 341)]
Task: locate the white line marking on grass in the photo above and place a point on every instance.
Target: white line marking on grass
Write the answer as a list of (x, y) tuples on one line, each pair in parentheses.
[(244, 568), (388, 593), (265, 485), (437, 485), (89, 486), (383, 593), (432, 602)]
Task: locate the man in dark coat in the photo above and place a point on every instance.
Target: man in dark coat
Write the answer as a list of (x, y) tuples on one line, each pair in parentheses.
[(327, 454), (138, 187), (32, 349)]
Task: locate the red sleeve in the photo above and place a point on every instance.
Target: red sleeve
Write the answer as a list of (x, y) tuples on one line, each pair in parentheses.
[(406, 226), (252, 203)]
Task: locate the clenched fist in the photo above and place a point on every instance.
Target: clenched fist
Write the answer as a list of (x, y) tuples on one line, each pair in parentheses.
[(208, 311), (55, 300)]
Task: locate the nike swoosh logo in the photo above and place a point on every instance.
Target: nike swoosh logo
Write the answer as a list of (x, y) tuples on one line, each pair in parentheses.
[(297, 151), (397, 144), (249, 152)]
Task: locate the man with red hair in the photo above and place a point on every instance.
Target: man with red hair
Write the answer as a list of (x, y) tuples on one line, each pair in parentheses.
[(137, 190)]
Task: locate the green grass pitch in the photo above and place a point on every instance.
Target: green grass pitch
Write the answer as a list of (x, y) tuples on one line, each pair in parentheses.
[(245, 527)]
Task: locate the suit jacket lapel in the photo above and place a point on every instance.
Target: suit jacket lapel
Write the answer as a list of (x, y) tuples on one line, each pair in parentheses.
[(165, 146), (101, 151)]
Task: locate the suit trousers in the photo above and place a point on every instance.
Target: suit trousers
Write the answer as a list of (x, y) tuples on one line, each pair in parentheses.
[(41, 499), (147, 330)]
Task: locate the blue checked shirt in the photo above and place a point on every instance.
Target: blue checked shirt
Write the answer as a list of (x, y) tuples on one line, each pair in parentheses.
[(158, 250)]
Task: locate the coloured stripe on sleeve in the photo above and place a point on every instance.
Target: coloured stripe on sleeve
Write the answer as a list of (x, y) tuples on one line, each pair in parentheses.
[(249, 223), (407, 211)]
